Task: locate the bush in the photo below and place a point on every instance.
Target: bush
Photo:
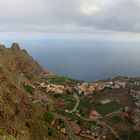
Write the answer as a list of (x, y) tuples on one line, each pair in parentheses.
[(71, 105), (85, 103), (48, 117), (30, 89)]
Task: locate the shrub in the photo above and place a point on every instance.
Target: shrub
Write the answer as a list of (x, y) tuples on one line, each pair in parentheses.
[(30, 89), (48, 117)]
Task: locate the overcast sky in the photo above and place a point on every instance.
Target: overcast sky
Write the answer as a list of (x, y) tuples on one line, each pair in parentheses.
[(104, 19)]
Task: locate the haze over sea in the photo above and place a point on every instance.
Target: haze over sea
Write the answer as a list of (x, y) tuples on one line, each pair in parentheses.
[(87, 60)]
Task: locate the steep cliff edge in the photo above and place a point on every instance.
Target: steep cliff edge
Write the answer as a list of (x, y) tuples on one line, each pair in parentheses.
[(15, 59)]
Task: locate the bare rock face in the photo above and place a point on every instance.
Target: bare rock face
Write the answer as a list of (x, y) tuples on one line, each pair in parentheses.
[(16, 59), (15, 47)]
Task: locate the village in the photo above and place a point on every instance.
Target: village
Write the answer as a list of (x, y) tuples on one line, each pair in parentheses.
[(75, 103), (82, 87), (94, 103)]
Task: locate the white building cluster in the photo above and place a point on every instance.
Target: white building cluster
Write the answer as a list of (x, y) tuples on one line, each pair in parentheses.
[(52, 88), (88, 88)]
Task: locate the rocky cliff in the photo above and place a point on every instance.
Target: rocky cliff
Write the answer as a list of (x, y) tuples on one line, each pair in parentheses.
[(15, 59)]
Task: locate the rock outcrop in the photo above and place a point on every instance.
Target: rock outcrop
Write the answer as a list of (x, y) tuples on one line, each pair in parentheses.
[(17, 60)]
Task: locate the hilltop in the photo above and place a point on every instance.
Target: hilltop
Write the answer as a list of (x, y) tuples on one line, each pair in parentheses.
[(16, 59)]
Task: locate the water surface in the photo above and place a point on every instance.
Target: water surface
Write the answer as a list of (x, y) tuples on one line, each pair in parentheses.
[(87, 60)]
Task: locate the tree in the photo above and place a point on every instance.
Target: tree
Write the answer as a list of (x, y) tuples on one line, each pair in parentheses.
[(48, 117)]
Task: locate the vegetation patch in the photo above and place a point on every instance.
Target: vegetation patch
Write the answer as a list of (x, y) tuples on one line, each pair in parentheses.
[(61, 96), (71, 105), (62, 80), (135, 88), (85, 103), (116, 119), (125, 135), (48, 117), (135, 135), (63, 113), (108, 108), (30, 89)]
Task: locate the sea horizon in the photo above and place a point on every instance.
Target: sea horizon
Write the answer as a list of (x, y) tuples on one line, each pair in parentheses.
[(87, 60)]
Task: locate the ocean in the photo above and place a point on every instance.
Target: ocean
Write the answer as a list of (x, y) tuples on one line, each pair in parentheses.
[(87, 60)]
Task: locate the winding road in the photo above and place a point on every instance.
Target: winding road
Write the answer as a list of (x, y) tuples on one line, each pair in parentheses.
[(96, 121), (67, 126), (77, 103)]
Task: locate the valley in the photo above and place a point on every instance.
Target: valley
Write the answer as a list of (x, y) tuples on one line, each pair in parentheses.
[(39, 105)]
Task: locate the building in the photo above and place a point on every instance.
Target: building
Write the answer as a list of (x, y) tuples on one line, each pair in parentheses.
[(94, 114), (105, 101)]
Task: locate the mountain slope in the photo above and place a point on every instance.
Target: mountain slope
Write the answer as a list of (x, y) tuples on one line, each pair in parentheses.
[(19, 118)]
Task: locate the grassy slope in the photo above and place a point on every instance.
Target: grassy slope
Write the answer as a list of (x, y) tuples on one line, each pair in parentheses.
[(61, 80), (19, 117)]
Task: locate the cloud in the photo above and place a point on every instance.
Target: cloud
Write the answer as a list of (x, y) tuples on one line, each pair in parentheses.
[(120, 16), (70, 16)]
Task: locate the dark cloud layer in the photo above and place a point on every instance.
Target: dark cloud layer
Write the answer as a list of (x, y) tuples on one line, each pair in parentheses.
[(69, 16)]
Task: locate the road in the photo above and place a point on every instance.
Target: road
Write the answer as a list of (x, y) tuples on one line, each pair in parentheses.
[(67, 126), (97, 121), (101, 123), (77, 103), (113, 113)]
